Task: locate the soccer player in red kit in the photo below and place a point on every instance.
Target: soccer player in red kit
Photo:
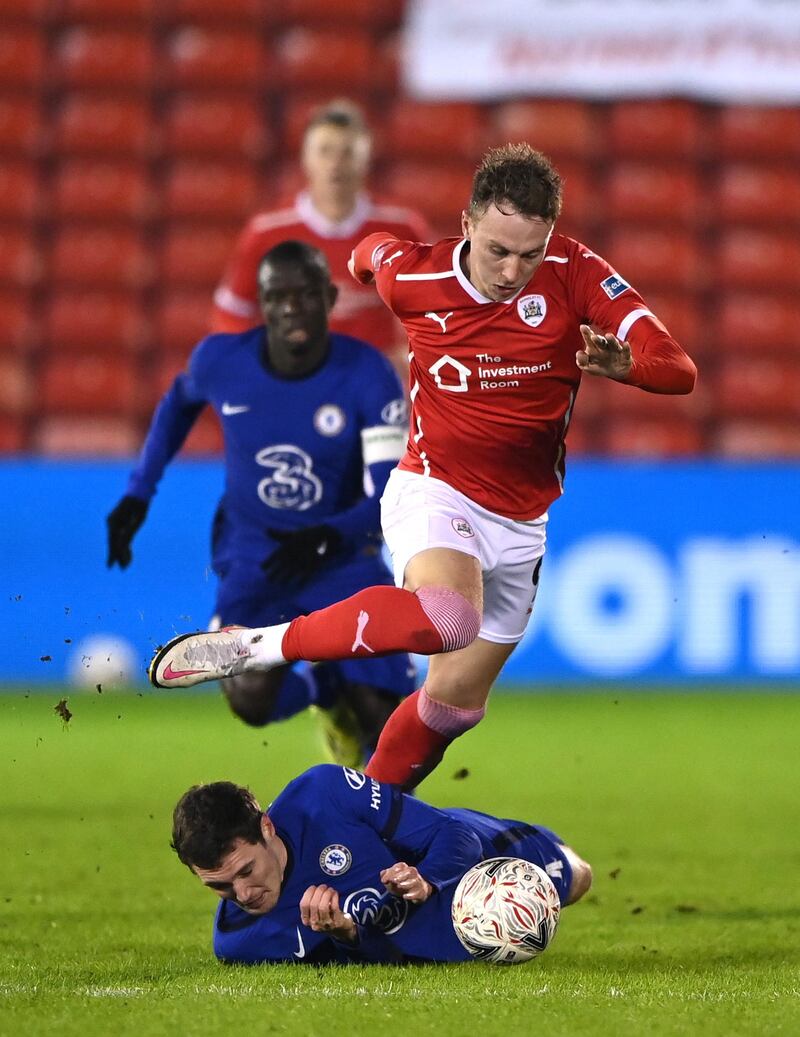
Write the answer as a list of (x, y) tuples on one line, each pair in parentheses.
[(333, 213), (502, 326)]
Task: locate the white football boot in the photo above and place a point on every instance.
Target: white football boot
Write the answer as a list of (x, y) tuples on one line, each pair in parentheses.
[(191, 659)]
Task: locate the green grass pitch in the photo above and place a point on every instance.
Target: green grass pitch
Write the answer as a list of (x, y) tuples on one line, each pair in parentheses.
[(685, 804)]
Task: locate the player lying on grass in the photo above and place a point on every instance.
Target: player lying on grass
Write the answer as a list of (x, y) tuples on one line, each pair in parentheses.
[(501, 328), (305, 415), (325, 874)]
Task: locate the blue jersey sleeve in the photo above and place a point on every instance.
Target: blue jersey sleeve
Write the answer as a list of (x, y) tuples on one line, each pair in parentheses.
[(172, 421), (441, 847), (382, 419)]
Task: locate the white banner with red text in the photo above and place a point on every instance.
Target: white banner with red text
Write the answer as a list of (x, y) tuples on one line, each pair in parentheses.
[(730, 51)]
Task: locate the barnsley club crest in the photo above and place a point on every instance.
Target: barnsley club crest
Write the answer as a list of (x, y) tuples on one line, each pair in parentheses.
[(532, 309)]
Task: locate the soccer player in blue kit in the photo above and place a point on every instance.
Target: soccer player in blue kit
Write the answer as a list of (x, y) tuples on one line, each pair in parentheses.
[(313, 424), (344, 868)]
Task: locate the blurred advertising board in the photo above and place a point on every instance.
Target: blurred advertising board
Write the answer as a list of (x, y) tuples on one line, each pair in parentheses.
[(654, 572)]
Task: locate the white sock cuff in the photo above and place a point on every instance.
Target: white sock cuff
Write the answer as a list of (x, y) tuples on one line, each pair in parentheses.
[(264, 645)]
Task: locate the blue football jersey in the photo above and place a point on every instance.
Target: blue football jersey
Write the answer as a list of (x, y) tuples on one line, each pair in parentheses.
[(342, 828), (295, 448)]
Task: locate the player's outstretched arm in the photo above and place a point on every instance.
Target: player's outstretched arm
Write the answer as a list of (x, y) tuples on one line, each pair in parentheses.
[(122, 524), (604, 355)]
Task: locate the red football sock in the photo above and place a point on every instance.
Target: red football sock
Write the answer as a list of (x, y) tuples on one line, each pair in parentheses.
[(376, 621), (415, 736), (407, 750)]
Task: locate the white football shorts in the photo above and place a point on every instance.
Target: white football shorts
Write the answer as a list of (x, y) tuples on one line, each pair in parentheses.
[(418, 512)]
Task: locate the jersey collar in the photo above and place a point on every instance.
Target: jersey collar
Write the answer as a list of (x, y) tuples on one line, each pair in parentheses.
[(326, 228)]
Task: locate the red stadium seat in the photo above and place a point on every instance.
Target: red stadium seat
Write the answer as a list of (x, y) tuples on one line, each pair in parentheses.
[(559, 128), (684, 318), (196, 256), (94, 436), (211, 189), (103, 59), (758, 194), (90, 125), (647, 438), (309, 59), (646, 129), (168, 366), (439, 131), (181, 320), (627, 402), (752, 258), (581, 201), (216, 126), (16, 385), (86, 189), (13, 434), (31, 12), (759, 133), (19, 329), (101, 257), (758, 323), (343, 12), (21, 196), (649, 192), (656, 258), (440, 192), (757, 439), (90, 383), (22, 131), (21, 261), (22, 58), (110, 322), (255, 13), (206, 58), (761, 387), (108, 11)]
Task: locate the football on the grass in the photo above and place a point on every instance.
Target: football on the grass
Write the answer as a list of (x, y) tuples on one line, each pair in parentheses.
[(505, 910)]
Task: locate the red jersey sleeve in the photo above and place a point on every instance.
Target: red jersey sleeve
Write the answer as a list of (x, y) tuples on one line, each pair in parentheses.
[(377, 258), (236, 294), (606, 300)]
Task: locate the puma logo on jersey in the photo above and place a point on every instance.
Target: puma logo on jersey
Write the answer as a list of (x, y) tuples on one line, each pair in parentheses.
[(393, 256), (363, 619), (440, 320)]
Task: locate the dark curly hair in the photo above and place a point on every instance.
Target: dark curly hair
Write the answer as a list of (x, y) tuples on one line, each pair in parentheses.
[(208, 819), (519, 178)]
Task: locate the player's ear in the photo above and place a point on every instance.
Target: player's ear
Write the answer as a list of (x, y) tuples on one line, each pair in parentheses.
[(465, 223), (332, 294), (267, 828)]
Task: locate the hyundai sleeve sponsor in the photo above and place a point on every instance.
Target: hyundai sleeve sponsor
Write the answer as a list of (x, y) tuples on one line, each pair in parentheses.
[(662, 572)]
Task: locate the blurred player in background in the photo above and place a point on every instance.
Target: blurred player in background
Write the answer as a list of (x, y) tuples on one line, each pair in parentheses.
[(500, 324), (333, 213), (306, 416), (322, 876)]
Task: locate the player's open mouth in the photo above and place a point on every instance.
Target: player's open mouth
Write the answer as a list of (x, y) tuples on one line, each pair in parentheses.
[(506, 289), (297, 335)]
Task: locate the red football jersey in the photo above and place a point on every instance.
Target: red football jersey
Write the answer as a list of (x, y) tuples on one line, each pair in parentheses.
[(358, 311), (493, 384)]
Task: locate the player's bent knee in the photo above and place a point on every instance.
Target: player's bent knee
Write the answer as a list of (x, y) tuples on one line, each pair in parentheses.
[(456, 620)]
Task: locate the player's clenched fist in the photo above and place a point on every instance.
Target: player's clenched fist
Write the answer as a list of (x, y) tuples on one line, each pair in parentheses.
[(319, 910), (603, 354), (403, 880)]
